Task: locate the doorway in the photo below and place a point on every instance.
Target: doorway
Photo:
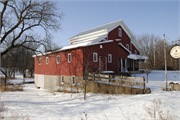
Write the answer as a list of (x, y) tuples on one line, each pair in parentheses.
[(102, 63)]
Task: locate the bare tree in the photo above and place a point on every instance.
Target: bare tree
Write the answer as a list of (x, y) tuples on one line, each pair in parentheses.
[(84, 62), (21, 19), (145, 42)]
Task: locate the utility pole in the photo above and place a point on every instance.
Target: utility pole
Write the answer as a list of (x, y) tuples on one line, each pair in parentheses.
[(165, 61), (0, 24), (154, 54), (179, 64), (0, 44)]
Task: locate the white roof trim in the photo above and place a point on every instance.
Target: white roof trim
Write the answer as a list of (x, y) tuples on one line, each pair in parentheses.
[(72, 46), (124, 47), (137, 57), (89, 35)]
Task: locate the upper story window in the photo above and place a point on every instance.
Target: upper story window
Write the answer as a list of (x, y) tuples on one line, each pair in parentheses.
[(62, 79), (95, 57), (39, 61), (127, 46), (69, 57), (135, 52), (120, 32), (58, 59), (47, 60), (109, 58), (73, 80)]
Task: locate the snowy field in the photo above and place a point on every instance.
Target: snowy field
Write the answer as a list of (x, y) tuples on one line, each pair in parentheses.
[(40, 104)]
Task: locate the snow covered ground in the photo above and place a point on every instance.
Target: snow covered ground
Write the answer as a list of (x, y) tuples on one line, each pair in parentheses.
[(40, 104)]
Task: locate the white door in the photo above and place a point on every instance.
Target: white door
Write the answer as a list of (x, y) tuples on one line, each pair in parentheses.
[(41, 81)]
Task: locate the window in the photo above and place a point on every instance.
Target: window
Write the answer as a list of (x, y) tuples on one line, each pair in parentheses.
[(62, 79), (47, 60), (58, 59), (109, 58), (127, 46), (135, 51), (39, 61), (101, 46), (95, 57), (69, 57), (73, 80), (120, 32)]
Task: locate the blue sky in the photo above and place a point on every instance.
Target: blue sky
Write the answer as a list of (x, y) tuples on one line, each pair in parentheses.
[(141, 17)]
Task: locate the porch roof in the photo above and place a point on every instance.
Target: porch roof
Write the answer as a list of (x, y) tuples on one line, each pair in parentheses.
[(137, 57)]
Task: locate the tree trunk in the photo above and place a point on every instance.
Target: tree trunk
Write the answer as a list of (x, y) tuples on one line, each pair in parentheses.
[(85, 92), (5, 74), (147, 77), (31, 72), (5, 80), (14, 74), (24, 75)]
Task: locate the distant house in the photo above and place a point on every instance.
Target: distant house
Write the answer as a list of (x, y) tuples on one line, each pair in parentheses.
[(109, 47)]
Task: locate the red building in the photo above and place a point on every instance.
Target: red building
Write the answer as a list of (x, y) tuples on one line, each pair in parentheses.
[(110, 47)]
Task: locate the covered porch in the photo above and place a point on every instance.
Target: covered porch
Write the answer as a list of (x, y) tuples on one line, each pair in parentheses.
[(131, 63)]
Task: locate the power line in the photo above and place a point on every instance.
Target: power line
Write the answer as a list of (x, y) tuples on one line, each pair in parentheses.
[(169, 38)]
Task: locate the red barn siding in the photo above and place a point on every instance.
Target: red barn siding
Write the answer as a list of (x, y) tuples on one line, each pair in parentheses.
[(124, 39), (63, 68), (107, 48)]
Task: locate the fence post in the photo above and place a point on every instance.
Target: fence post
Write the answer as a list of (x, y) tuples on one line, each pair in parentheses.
[(93, 76), (144, 84), (109, 78)]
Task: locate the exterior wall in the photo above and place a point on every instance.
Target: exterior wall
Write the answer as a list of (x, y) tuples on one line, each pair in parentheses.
[(64, 67), (53, 83), (124, 39), (107, 48), (112, 48)]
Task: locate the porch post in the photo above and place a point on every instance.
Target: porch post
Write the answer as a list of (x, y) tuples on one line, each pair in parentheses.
[(125, 64), (133, 64), (121, 64)]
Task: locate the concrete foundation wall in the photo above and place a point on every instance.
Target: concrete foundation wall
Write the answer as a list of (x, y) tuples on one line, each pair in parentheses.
[(54, 83)]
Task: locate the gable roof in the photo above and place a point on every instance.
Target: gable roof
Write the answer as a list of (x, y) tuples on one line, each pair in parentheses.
[(96, 33), (109, 27)]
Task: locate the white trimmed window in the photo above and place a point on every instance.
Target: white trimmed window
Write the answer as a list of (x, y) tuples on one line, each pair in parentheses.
[(47, 60), (120, 32), (135, 52), (127, 46), (73, 80), (58, 59), (39, 61), (69, 57), (109, 58), (62, 79), (95, 59)]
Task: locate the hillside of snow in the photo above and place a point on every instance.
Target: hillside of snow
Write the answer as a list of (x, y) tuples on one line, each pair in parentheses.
[(40, 104)]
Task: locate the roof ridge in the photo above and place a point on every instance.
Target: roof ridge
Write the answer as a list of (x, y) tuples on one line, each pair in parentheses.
[(84, 32), (103, 25)]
